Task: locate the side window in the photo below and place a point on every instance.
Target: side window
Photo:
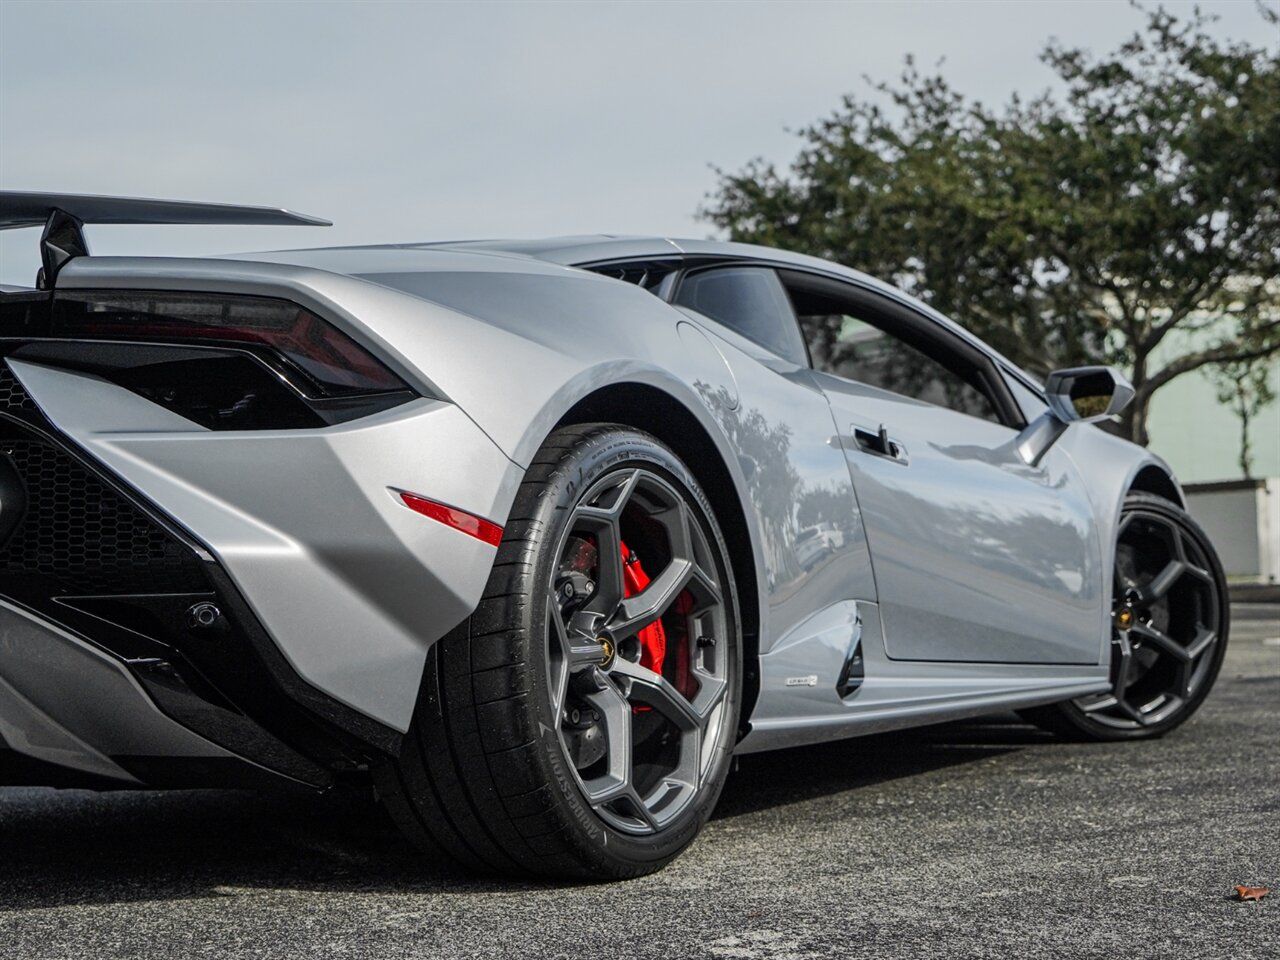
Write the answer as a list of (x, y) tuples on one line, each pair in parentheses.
[(1030, 404), (751, 301), (850, 340)]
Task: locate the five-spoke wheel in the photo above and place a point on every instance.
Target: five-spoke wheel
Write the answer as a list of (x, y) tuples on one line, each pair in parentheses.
[(637, 677), (1169, 619), (581, 722)]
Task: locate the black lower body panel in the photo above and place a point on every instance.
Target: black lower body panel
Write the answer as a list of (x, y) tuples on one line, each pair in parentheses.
[(79, 551)]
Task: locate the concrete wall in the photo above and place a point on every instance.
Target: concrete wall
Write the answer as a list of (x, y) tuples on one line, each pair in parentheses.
[(1243, 521)]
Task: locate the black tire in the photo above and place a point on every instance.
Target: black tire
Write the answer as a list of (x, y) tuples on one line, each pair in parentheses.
[(1170, 621), (496, 777)]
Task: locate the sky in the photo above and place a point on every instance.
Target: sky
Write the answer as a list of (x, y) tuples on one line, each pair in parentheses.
[(430, 121)]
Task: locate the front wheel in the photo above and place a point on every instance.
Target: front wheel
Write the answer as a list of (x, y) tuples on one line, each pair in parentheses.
[(1169, 623), (579, 725)]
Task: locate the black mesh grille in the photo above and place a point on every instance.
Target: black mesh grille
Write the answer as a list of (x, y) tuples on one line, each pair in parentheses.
[(12, 396), (77, 530)]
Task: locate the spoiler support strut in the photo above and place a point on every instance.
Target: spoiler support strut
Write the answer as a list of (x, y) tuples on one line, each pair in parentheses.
[(62, 239), (65, 214)]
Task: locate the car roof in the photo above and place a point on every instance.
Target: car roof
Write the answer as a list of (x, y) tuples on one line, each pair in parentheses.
[(595, 249), (602, 248), (590, 249)]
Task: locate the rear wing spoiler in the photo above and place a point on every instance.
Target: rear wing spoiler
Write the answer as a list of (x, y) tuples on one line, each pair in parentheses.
[(65, 214)]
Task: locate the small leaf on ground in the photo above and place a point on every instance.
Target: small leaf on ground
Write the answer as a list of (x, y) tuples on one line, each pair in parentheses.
[(1251, 893)]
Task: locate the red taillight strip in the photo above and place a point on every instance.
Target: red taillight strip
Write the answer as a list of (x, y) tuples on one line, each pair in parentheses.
[(460, 520)]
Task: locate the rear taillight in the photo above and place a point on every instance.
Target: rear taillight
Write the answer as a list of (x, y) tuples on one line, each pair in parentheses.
[(226, 362), (334, 363)]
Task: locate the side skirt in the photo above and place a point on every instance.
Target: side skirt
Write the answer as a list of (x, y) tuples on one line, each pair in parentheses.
[(803, 677)]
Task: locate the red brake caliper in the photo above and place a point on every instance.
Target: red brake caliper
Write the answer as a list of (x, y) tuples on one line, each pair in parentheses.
[(653, 638)]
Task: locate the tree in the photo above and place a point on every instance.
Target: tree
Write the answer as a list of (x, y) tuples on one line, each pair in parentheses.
[(1244, 386), (1084, 226)]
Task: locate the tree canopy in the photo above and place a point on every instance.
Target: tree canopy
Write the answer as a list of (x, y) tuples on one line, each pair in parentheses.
[(1142, 198)]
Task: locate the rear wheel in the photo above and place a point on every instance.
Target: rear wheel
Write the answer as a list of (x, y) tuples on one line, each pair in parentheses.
[(580, 723), (1169, 623)]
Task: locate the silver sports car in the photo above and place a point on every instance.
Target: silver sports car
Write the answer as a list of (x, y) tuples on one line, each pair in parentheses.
[(534, 536)]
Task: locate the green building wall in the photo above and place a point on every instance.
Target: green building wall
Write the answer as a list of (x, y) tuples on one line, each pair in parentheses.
[(1200, 436)]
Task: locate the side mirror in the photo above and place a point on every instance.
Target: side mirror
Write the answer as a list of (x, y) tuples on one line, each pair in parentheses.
[(1087, 394), (1077, 395)]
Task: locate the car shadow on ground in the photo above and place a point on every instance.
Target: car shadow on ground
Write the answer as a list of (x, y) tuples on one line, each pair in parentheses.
[(765, 780), (63, 848)]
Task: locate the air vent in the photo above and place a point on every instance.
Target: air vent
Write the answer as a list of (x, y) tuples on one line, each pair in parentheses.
[(82, 535), (648, 274)]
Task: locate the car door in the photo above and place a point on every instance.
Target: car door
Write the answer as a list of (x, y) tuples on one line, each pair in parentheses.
[(976, 555), (814, 550)]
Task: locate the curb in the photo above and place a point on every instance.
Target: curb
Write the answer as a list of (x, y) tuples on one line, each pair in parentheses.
[(1254, 592)]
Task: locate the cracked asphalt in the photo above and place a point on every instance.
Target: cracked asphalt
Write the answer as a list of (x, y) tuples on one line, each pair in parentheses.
[(978, 839)]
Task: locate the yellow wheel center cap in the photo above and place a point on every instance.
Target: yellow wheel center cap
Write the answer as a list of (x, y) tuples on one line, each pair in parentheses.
[(606, 651), (1124, 619)]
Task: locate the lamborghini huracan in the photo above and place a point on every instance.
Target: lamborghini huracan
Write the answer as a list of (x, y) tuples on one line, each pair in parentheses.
[(532, 537)]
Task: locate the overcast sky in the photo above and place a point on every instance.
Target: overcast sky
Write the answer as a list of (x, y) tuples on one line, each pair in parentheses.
[(423, 121)]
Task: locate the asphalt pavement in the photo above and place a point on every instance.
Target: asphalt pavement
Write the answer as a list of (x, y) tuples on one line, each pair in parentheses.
[(979, 839)]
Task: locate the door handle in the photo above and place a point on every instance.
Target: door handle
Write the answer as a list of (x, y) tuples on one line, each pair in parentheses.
[(878, 443)]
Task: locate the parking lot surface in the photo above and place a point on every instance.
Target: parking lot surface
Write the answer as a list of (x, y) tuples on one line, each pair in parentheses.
[(976, 839)]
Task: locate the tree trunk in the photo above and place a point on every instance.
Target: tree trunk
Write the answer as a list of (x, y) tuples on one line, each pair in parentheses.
[(1135, 415), (1246, 455)]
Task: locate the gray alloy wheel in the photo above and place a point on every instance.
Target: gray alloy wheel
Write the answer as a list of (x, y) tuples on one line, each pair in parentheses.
[(634, 732), (580, 724), (1169, 618)]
